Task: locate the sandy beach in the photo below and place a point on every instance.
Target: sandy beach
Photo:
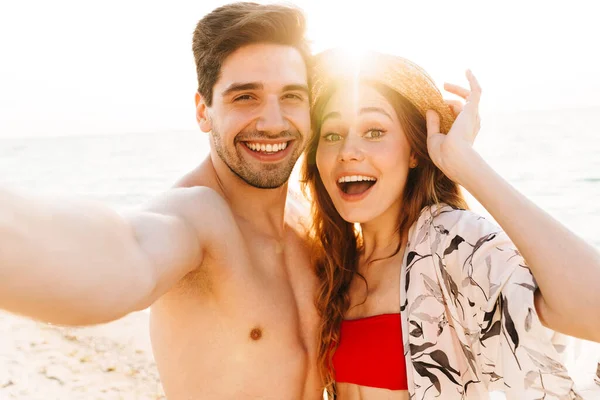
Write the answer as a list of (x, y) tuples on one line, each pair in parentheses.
[(44, 362)]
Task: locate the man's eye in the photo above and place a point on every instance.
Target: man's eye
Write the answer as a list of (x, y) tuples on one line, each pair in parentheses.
[(293, 96), (243, 97)]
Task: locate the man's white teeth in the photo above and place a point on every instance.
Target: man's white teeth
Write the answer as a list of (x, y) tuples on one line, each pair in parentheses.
[(356, 178), (267, 148)]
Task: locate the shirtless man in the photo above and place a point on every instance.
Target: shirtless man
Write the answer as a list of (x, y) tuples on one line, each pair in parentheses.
[(229, 283)]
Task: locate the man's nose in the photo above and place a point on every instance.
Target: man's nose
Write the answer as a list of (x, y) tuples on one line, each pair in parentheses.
[(272, 119)]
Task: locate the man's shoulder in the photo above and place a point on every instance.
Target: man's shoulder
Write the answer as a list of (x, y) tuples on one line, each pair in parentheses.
[(201, 175), (198, 192), (185, 202)]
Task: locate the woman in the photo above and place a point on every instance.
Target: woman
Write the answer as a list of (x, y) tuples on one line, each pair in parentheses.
[(420, 298)]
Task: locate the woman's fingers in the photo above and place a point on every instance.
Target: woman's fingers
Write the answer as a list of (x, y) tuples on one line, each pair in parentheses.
[(474, 91), (434, 137), (457, 90), (467, 112), (475, 95), (471, 107), (455, 105), (433, 122)]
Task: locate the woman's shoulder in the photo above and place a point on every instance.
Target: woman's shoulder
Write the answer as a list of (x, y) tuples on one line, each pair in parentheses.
[(451, 220), (442, 227)]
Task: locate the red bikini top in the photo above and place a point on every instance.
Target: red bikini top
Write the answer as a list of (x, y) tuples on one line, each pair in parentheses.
[(370, 353)]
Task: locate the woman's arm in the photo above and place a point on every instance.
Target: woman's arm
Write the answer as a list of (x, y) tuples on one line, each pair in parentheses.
[(566, 268)]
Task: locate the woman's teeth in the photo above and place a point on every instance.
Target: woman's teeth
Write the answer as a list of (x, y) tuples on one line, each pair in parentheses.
[(356, 178), (356, 184), (266, 148)]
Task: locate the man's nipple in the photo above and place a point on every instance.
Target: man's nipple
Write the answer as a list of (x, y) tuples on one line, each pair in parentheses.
[(256, 334)]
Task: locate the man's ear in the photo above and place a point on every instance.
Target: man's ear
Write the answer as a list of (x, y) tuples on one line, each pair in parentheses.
[(202, 116)]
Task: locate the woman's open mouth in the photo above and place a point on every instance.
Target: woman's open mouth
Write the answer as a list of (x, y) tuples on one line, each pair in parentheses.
[(355, 187)]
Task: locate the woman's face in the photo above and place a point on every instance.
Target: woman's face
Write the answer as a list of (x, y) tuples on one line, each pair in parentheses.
[(363, 155)]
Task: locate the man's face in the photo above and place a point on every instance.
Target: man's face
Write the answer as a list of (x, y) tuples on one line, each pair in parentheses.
[(260, 118)]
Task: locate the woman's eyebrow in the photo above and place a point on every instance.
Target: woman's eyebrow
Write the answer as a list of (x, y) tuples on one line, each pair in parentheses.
[(366, 110), (333, 114)]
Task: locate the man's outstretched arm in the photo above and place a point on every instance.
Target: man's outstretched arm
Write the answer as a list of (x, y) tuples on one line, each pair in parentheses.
[(74, 262)]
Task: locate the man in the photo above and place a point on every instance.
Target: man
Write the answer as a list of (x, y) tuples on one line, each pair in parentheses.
[(228, 277)]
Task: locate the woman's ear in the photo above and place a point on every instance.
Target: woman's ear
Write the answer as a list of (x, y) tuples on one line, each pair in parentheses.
[(413, 162), (202, 116)]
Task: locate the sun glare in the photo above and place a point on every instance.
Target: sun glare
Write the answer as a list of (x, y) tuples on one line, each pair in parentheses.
[(352, 53), (343, 33)]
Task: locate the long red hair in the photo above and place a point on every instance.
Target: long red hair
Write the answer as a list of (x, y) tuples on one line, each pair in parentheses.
[(336, 242)]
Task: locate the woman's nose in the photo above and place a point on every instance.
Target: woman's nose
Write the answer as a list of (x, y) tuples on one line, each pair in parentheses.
[(350, 150)]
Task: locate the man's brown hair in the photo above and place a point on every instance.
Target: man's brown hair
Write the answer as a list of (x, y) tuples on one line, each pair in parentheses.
[(235, 25)]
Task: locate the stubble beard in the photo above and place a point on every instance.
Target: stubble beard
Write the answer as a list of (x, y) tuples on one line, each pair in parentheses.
[(263, 176)]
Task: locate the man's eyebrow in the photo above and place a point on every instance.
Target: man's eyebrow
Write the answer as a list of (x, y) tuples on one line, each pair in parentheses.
[(298, 87), (238, 87), (379, 110)]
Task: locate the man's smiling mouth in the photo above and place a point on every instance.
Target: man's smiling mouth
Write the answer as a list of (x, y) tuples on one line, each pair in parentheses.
[(267, 148)]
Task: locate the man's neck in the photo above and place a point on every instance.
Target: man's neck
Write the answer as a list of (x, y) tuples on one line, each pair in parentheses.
[(263, 209)]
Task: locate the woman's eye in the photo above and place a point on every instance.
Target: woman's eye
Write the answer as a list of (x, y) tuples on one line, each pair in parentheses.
[(374, 134), (332, 137)]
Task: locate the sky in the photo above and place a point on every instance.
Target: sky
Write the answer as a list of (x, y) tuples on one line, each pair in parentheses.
[(83, 67)]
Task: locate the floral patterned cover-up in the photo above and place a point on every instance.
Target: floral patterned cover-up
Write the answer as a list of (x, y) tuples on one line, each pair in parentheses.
[(468, 316)]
